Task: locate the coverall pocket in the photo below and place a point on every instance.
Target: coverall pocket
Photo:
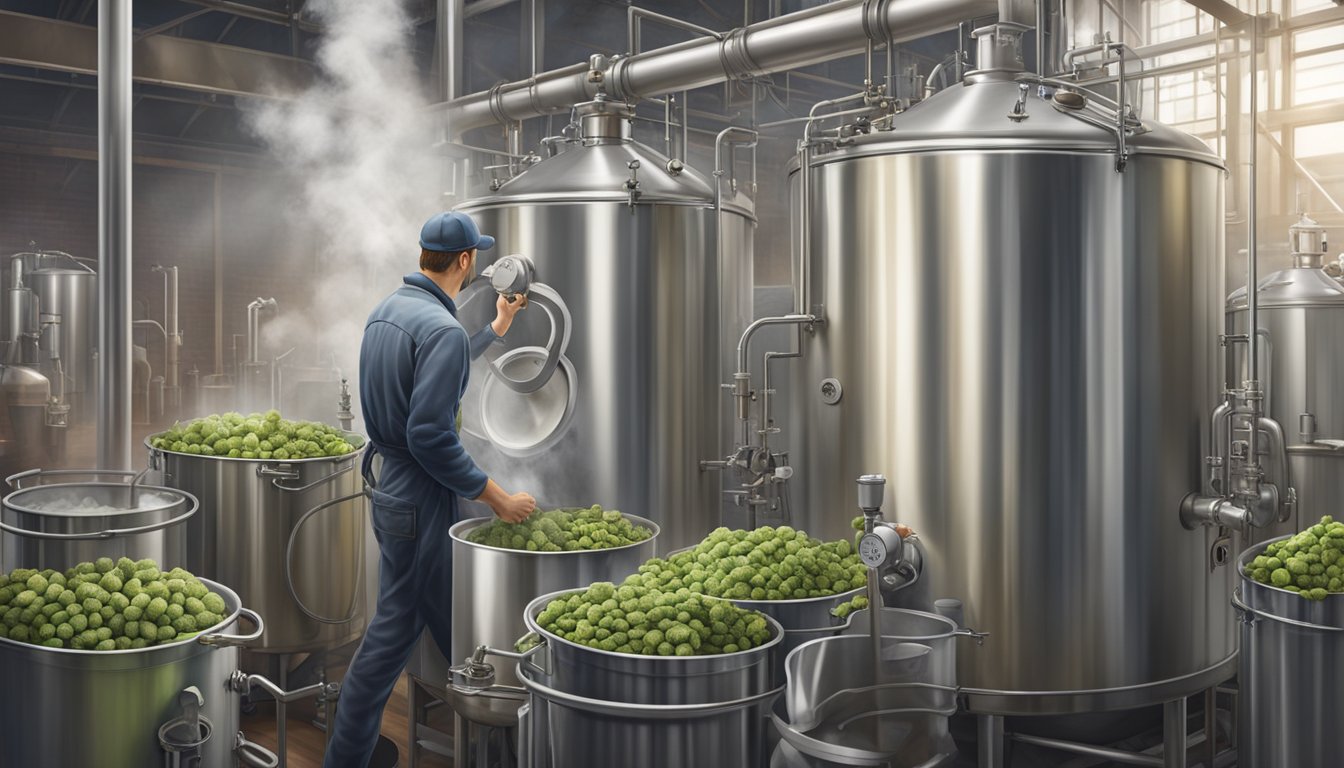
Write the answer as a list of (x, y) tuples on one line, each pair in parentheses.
[(393, 516)]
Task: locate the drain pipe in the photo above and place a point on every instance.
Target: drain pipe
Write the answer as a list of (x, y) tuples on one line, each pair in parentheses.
[(114, 235), (1248, 499), (254, 327), (172, 336)]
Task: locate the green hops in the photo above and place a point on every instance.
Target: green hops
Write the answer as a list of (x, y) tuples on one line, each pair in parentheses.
[(256, 436), (674, 624), (562, 530), (1308, 563), (763, 564), (103, 606)]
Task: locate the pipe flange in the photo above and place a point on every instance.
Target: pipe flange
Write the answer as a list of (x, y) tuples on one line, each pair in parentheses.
[(875, 25), (736, 59), (495, 98)]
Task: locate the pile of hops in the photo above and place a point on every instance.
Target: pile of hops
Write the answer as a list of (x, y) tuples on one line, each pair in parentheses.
[(256, 436), (106, 606), (562, 530), (763, 564), (638, 620), (1310, 563)]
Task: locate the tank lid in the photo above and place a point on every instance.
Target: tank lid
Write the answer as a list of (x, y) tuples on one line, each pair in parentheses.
[(1294, 287), (999, 114), (601, 172)]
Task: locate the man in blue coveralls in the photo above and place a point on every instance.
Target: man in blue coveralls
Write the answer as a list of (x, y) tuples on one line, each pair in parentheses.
[(413, 367)]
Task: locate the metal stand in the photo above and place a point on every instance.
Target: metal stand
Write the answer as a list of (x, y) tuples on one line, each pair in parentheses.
[(420, 701), (1174, 734), (989, 741), (1173, 752)]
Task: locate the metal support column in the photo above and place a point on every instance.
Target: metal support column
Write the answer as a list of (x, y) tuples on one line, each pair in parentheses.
[(989, 733), (1174, 734), (114, 234)]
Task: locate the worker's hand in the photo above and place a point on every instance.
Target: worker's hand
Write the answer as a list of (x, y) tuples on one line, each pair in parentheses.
[(514, 508), (505, 311)]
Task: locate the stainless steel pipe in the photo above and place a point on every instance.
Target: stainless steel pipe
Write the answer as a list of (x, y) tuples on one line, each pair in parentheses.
[(114, 234), (786, 42)]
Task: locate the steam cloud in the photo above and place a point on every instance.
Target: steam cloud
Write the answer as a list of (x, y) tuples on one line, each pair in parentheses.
[(356, 145)]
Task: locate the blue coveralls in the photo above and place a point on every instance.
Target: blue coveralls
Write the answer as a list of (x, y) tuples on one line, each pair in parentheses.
[(413, 367)]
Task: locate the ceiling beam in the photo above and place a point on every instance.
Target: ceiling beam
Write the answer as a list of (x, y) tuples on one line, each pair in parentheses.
[(197, 65)]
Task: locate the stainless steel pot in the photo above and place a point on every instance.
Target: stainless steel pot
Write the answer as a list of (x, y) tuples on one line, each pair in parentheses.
[(288, 535), (491, 590), (1291, 665), (839, 709), (106, 708), (589, 707), (63, 523)]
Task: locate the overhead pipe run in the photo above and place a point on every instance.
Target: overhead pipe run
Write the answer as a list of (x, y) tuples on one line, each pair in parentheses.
[(799, 39), (114, 235)]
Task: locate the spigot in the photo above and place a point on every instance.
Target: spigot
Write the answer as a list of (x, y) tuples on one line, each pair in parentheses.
[(473, 675), (343, 412)]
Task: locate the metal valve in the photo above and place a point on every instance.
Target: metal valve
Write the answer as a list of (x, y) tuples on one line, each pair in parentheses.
[(473, 675), (511, 275)]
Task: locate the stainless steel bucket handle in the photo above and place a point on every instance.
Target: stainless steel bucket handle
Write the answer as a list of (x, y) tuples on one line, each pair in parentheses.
[(14, 480), (253, 755), (1244, 608), (283, 472), (289, 564), (220, 639), (192, 507), (649, 711)]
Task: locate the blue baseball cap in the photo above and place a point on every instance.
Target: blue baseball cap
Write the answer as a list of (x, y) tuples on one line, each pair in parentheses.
[(453, 232)]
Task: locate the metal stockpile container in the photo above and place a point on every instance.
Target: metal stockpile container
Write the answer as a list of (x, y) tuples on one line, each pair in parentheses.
[(839, 709), (590, 707), (1292, 659), (58, 525), (114, 709), (1301, 324), (1026, 339), (627, 240), (492, 589), (288, 535)]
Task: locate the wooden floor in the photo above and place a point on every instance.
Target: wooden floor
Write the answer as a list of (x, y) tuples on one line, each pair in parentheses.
[(306, 740)]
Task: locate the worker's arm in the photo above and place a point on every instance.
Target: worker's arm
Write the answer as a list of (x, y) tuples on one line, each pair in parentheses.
[(440, 374), (505, 311)]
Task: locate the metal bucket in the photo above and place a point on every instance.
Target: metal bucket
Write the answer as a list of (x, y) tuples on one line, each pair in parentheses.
[(492, 588), (1291, 665), (288, 535), (60, 524), (590, 707), (838, 710), (118, 701)]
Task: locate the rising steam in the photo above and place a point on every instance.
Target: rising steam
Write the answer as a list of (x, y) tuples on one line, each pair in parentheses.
[(356, 145)]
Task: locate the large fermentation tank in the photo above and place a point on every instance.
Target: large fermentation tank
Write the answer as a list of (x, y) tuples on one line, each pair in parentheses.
[(627, 241), (1301, 327), (1026, 342)]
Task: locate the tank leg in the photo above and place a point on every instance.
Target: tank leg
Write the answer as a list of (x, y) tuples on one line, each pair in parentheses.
[(1211, 726), (1174, 734), (989, 738), (459, 741), (414, 715)]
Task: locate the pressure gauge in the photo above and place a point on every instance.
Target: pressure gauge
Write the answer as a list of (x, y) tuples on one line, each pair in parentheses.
[(881, 548)]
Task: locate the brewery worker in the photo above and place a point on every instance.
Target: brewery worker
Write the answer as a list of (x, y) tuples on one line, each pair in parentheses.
[(413, 367)]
